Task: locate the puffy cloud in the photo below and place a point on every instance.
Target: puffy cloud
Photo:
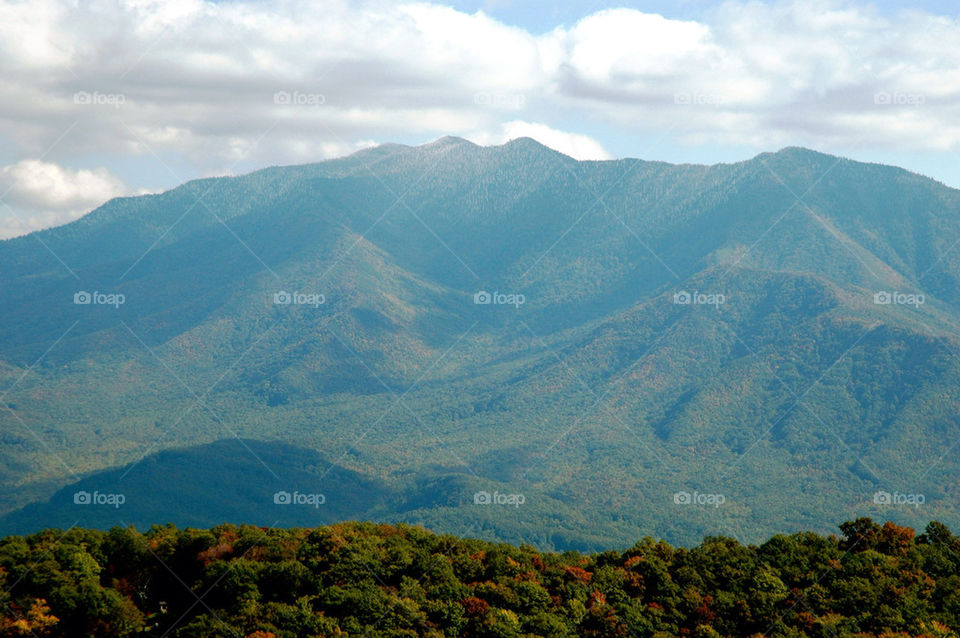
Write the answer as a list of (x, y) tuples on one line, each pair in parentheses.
[(622, 44), (39, 194)]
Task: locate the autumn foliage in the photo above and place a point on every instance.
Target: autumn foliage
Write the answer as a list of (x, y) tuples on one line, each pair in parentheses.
[(361, 579)]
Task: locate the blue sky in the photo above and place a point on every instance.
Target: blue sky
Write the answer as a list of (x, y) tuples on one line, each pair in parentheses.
[(135, 96), (539, 16)]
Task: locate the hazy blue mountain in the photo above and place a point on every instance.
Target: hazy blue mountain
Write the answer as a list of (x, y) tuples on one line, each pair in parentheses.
[(598, 398)]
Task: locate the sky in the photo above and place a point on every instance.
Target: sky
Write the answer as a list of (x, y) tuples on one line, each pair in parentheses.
[(100, 99)]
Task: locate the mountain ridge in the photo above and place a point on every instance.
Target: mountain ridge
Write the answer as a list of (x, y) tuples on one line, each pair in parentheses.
[(695, 319), (450, 141)]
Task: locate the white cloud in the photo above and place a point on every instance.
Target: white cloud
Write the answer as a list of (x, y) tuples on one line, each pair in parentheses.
[(194, 81), (475, 49), (39, 194), (614, 44), (812, 72)]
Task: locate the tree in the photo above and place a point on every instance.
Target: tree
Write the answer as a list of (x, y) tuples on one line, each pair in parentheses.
[(37, 622)]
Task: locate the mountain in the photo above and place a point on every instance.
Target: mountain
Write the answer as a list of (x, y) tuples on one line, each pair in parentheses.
[(774, 341)]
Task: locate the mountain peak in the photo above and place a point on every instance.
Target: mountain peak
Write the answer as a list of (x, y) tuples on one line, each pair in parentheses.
[(798, 152), (447, 141), (527, 143), (517, 144)]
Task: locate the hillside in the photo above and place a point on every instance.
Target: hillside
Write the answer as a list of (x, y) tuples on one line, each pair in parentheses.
[(783, 386)]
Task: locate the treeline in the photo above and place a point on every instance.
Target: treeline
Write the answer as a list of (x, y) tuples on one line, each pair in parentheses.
[(364, 579)]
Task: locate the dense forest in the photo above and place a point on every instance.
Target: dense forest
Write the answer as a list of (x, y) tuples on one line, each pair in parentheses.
[(368, 579), (597, 399)]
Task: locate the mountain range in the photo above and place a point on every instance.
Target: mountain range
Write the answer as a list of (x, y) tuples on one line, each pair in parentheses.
[(501, 342)]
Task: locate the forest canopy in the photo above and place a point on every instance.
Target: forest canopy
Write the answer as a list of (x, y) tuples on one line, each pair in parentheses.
[(365, 579)]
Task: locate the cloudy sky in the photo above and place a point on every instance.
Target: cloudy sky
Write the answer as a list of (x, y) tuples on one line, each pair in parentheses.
[(107, 98)]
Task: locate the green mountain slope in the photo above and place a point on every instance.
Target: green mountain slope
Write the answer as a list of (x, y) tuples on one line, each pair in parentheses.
[(789, 390)]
